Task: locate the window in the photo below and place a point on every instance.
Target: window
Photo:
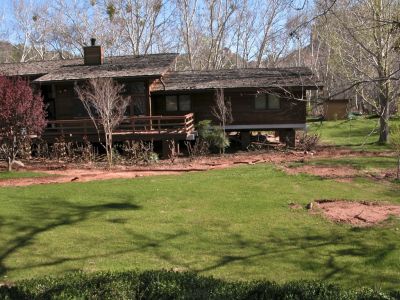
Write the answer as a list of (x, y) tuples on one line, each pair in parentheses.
[(175, 103), (77, 109), (137, 87), (184, 103), (171, 103), (274, 102), (263, 102)]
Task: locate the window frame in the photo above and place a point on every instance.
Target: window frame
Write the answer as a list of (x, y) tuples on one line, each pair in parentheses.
[(178, 103), (264, 98), (267, 100)]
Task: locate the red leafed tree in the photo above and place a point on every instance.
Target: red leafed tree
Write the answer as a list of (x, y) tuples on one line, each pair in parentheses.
[(22, 115)]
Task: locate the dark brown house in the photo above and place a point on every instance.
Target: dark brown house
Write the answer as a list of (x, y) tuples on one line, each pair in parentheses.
[(166, 104)]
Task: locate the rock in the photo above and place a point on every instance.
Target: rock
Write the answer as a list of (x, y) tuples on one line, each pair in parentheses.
[(75, 179)]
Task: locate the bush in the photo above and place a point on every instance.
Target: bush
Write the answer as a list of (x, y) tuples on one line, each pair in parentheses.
[(213, 135), (173, 285), (139, 152), (308, 142)]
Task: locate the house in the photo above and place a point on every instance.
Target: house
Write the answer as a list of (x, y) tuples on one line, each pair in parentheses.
[(166, 104), (336, 109)]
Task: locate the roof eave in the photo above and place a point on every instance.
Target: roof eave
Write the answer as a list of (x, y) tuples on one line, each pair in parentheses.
[(303, 87), (84, 79)]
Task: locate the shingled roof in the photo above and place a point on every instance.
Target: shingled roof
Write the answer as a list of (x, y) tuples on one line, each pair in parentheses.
[(237, 78), (152, 65), (35, 68)]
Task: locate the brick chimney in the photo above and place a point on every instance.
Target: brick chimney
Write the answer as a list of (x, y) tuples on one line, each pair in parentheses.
[(93, 55)]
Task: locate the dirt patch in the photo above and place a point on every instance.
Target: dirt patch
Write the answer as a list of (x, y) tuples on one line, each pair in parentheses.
[(78, 172), (360, 214), (326, 172), (295, 206), (69, 172), (78, 175)]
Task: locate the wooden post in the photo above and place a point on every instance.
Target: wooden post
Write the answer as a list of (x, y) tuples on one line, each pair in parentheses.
[(149, 112), (245, 139)]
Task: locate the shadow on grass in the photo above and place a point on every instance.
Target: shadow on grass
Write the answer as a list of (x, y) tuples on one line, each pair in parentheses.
[(64, 214), (343, 255), (336, 257)]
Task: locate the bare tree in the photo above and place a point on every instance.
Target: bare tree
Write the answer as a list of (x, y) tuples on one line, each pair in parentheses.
[(187, 10), (106, 106), (395, 142), (31, 28), (362, 52), (73, 23), (218, 19), (139, 22), (271, 15), (222, 108), (205, 29)]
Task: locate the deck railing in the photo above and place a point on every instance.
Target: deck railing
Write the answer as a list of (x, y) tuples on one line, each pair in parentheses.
[(140, 125)]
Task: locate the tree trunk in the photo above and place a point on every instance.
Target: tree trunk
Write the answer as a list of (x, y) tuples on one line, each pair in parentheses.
[(109, 149), (9, 164), (398, 167), (383, 130), (384, 117)]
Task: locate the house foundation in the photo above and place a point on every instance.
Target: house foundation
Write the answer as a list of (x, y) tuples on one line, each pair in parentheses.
[(288, 137)]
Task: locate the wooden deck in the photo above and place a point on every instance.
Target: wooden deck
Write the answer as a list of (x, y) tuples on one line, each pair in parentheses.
[(137, 127)]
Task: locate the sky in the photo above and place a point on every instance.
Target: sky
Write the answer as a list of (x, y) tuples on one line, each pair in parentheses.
[(8, 33)]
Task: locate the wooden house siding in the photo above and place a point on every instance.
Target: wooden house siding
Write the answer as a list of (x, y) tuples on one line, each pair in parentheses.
[(68, 106), (148, 79), (243, 108)]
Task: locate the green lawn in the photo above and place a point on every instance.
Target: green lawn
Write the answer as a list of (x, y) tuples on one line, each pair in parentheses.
[(232, 223), (357, 162), (355, 134), (21, 174)]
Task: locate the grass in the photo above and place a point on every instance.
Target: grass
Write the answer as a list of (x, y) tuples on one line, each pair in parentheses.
[(21, 174), (357, 162), (233, 224), (357, 134)]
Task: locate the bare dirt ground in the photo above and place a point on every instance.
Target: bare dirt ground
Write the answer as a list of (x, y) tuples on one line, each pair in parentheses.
[(67, 172), (73, 172), (341, 173), (361, 214), (325, 172)]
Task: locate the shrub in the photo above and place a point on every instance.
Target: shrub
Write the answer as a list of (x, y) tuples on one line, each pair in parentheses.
[(139, 152), (173, 285), (197, 149), (213, 135), (308, 142)]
